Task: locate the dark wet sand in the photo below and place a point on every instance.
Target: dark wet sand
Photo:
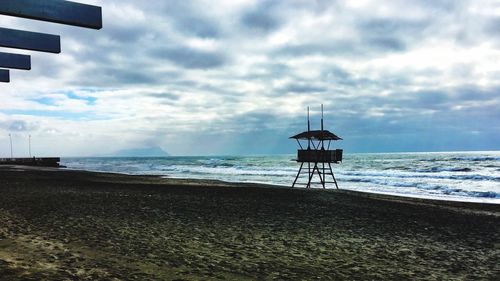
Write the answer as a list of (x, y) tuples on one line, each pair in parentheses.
[(62, 225)]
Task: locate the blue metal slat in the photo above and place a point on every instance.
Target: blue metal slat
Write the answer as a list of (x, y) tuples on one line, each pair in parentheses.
[(34, 41), (15, 61), (4, 76), (64, 12)]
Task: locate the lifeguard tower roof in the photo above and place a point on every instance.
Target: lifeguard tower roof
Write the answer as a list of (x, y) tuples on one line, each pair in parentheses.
[(316, 135)]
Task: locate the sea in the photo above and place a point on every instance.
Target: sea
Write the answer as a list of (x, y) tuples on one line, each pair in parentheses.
[(458, 176)]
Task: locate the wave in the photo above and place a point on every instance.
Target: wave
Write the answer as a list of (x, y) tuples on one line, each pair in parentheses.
[(475, 158), (233, 171), (483, 194), (442, 189), (443, 169), (400, 168), (476, 177), (459, 158)]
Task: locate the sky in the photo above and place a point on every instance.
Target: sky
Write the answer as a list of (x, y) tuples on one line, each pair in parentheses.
[(235, 77)]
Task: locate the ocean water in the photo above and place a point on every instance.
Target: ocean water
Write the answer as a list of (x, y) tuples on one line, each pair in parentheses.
[(462, 176)]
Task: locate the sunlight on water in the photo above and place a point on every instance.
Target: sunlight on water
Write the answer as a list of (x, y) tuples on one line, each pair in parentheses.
[(466, 176)]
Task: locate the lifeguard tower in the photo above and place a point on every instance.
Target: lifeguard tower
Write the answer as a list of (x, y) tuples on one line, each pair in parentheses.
[(318, 157)]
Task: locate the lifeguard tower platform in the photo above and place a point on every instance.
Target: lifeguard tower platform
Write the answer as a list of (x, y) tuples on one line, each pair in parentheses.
[(318, 154)]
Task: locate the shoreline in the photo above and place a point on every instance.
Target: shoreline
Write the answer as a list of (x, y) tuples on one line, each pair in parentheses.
[(166, 180), (61, 224), (460, 177), (478, 200)]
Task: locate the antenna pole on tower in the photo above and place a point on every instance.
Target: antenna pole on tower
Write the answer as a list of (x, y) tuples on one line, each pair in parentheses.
[(308, 123), (322, 141), (11, 152), (321, 117), (308, 129)]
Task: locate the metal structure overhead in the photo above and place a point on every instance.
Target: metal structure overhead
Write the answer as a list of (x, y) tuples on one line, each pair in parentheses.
[(27, 40), (15, 61), (56, 11), (4, 75), (64, 12)]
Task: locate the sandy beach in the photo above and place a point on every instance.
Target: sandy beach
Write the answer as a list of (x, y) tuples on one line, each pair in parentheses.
[(71, 225)]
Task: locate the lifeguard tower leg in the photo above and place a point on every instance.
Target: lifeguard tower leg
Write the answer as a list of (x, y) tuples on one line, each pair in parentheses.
[(334, 180), (298, 174), (309, 174), (324, 176), (321, 179)]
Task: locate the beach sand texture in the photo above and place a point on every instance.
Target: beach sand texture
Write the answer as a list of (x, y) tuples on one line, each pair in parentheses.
[(69, 225)]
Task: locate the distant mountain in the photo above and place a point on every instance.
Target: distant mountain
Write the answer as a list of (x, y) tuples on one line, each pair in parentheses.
[(142, 152)]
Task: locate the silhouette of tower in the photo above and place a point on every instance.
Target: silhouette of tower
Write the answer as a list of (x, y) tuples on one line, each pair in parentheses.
[(317, 155)]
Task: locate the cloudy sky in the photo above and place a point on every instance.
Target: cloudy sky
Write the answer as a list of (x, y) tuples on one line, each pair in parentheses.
[(235, 77)]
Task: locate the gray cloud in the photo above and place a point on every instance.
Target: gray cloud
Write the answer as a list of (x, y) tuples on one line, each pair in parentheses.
[(337, 48), (124, 34), (18, 126), (446, 6), (197, 26), (167, 96), (474, 93), (108, 76), (492, 28), (386, 44), (381, 27), (189, 19), (266, 16), (377, 36), (259, 21), (190, 58), (302, 88)]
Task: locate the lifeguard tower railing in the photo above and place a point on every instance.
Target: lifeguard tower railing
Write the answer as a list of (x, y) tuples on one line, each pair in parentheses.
[(320, 156)]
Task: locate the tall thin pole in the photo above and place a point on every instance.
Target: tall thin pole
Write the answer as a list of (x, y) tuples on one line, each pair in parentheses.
[(308, 122), (308, 130), (30, 145), (321, 117), (308, 147), (322, 141), (11, 152)]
